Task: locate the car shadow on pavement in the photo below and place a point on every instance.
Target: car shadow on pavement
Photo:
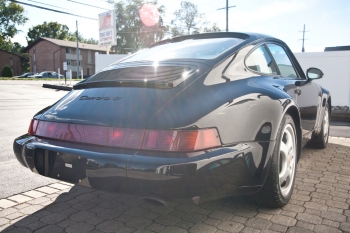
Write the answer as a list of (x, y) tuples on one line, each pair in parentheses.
[(320, 203)]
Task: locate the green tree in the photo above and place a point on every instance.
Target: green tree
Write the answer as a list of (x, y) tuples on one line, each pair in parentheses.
[(176, 31), (89, 41), (50, 30), (11, 16), (132, 34), (7, 71), (55, 30), (187, 19), (213, 28), (72, 37)]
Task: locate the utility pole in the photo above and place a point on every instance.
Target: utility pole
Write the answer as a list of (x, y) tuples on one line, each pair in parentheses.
[(303, 49), (226, 13), (77, 35)]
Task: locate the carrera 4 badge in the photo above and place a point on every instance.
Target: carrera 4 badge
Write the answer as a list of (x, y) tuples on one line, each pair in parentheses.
[(85, 97)]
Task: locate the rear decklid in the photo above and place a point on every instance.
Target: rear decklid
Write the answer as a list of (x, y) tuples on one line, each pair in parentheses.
[(124, 96)]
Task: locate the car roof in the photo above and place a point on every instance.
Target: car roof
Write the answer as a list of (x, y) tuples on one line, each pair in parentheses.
[(242, 35)]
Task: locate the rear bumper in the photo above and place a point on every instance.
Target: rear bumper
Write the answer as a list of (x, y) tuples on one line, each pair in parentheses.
[(212, 174)]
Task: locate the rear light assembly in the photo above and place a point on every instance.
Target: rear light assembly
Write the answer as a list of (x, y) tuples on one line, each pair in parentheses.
[(32, 127), (187, 140), (151, 139)]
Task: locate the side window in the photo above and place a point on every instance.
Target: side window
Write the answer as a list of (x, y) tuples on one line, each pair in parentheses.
[(282, 60), (260, 61)]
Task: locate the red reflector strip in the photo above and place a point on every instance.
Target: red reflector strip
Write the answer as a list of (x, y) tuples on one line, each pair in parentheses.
[(90, 134), (163, 140), (129, 138)]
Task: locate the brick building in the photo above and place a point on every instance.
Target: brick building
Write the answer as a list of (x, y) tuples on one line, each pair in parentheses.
[(46, 54), (11, 59)]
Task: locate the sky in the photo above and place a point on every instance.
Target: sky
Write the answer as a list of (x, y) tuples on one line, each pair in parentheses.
[(327, 22)]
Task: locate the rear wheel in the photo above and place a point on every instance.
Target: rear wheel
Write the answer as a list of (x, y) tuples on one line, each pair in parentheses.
[(320, 141), (279, 183)]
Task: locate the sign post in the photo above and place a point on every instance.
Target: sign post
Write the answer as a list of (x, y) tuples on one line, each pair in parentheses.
[(107, 30), (59, 80), (70, 75), (65, 69)]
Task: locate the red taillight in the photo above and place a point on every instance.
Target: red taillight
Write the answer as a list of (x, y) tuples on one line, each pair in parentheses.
[(188, 140), (163, 140), (32, 127)]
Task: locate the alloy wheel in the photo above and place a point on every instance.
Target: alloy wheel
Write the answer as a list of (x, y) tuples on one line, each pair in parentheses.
[(287, 160), (325, 124)]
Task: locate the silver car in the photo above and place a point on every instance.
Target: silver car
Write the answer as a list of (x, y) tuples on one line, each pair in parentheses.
[(46, 74)]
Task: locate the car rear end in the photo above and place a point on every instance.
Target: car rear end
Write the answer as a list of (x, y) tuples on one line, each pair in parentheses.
[(104, 135)]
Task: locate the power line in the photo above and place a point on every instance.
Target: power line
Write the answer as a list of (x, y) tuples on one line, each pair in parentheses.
[(57, 11), (48, 4), (124, 32), (88, 5)]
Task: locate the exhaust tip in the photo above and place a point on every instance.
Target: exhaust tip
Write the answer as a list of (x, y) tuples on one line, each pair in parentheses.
[(155, 201)]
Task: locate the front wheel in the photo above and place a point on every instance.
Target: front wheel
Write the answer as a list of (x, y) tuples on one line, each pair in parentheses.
[(320, 141), (278, 187)]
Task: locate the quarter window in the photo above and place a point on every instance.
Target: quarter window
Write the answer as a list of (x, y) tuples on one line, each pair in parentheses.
[(260, 61), (282, 60)]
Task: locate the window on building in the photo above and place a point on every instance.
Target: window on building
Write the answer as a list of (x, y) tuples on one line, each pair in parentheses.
[(68, 62), (67, 50)]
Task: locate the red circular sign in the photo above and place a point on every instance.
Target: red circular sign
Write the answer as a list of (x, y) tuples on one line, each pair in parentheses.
[(149, 14)]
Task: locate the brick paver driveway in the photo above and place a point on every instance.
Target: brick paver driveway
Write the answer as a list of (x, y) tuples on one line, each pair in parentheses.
[(320, 203)]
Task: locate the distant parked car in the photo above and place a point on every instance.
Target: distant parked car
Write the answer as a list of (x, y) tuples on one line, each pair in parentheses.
[(46, 74), (25, 75)]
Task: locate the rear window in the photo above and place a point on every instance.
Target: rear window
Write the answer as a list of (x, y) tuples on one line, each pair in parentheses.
[(192, 48), (149, 74)]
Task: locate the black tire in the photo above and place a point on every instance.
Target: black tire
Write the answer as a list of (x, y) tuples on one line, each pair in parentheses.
[(276, 191), (320, 141)]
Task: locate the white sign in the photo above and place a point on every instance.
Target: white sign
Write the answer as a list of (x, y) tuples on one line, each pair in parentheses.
[(107, 28), (64, 65)]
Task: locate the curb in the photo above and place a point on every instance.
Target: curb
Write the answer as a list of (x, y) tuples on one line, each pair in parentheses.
[(340, 115), (64, 88)]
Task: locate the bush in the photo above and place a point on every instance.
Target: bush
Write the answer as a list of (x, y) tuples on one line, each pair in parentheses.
[(7, 71)]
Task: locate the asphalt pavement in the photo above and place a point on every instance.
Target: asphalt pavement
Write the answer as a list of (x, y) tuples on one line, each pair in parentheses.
[(19, 101)]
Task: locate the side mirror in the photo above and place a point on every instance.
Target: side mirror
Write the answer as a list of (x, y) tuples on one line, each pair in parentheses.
[(314, 73)]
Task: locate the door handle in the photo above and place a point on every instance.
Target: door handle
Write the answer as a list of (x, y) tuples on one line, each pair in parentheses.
[(297, 91)]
